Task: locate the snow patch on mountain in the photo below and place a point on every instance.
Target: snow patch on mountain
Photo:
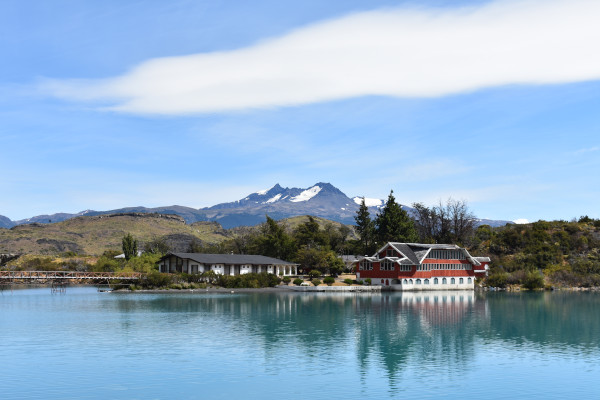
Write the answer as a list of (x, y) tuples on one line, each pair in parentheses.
[(369, 202), (273, 199), (306, 195), (262, 192)]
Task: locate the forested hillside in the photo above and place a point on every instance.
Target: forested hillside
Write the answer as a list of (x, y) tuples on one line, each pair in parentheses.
[(566, 253)]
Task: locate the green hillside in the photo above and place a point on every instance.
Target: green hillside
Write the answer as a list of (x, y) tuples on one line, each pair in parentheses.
[(560, 253)]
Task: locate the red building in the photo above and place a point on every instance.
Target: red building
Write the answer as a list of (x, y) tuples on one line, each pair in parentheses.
[(415, 266)]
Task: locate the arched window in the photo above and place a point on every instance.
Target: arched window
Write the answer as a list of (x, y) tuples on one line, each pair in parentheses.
[(461, 280), (435, 281), (444, 281), (410, 281), (469, 280), (418, 282), (405, 281), (426, 281), (453, 280)]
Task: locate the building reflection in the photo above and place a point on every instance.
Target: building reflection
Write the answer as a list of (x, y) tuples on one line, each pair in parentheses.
[(387, 335)]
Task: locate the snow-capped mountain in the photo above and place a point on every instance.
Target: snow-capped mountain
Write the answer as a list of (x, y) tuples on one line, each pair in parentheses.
[(321, 200)]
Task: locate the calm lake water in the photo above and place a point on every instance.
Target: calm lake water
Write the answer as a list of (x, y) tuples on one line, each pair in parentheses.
[(85, 344)]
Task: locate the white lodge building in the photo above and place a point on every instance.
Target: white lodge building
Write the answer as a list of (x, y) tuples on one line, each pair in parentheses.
[(225, 264), (416, 266)]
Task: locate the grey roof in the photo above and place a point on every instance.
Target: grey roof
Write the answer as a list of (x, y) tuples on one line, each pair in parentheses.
[(406, 250), (482, 259), (416, 252), (230, 259)]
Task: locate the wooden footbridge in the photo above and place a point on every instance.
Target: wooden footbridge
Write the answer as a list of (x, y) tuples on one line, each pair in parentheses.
[(60, 279)]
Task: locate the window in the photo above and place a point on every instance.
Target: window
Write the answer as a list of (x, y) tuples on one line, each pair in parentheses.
[(453, 280), (390, 253), (405, 281), (426, 281), (418, 282), (386, 265), (435, 281), (365, 266), (410, 281), (405, 268), (444, 281), (469, 280), (461, 280)]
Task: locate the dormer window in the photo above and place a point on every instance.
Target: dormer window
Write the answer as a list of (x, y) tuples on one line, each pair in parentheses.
[(390, 253)]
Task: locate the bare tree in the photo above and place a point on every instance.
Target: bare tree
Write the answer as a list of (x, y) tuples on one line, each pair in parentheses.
[(463, 221), (445, 223)]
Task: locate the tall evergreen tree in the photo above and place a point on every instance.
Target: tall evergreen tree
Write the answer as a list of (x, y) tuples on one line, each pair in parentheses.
[(274, 241), (309, 234), (393, 224), (365, 228), (130, 246)]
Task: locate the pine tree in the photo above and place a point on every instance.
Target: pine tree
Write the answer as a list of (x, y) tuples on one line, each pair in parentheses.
[(393, 224), (274, 241), (365, 228)]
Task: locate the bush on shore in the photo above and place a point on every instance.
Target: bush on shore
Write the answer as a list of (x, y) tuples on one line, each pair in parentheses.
[(329, 280)]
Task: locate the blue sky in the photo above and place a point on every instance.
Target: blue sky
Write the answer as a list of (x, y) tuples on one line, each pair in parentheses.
[(124, 103)]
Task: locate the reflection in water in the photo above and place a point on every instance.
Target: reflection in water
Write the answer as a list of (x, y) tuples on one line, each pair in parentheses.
[(546, 319), (422, 329), (299, 345), (394, 329)]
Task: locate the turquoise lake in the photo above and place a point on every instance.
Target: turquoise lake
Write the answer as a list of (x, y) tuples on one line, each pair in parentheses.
[(460, 345)]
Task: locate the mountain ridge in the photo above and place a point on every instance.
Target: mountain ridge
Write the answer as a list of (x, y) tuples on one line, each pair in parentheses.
[(321, 199)]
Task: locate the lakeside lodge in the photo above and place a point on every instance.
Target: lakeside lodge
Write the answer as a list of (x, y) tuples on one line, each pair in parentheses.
[(416, 266), (225, 264)]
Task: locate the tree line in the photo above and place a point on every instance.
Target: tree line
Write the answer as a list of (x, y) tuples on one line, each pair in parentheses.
[(450, 222)]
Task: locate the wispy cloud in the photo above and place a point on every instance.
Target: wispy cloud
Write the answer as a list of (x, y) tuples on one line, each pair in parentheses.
[(402, 52), (587, 150)]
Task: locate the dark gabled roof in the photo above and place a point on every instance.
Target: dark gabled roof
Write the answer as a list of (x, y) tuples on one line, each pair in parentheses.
[(416, 252), (230, 259), (405, 250)]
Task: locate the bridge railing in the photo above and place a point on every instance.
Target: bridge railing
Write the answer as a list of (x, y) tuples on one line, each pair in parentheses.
[(44, 275)]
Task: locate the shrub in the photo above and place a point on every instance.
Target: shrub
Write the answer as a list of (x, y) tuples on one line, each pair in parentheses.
[(156, 279), (368, 281), (314, 273), (329, 280), (248, 280), (516, 278), (298, 281), (287, 280), (499, 279), (348, 281), (533, 280), (316, 282)]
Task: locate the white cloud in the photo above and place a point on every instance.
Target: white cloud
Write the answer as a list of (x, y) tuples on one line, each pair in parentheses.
[(394, 52), (521, 221), (587, 150)]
